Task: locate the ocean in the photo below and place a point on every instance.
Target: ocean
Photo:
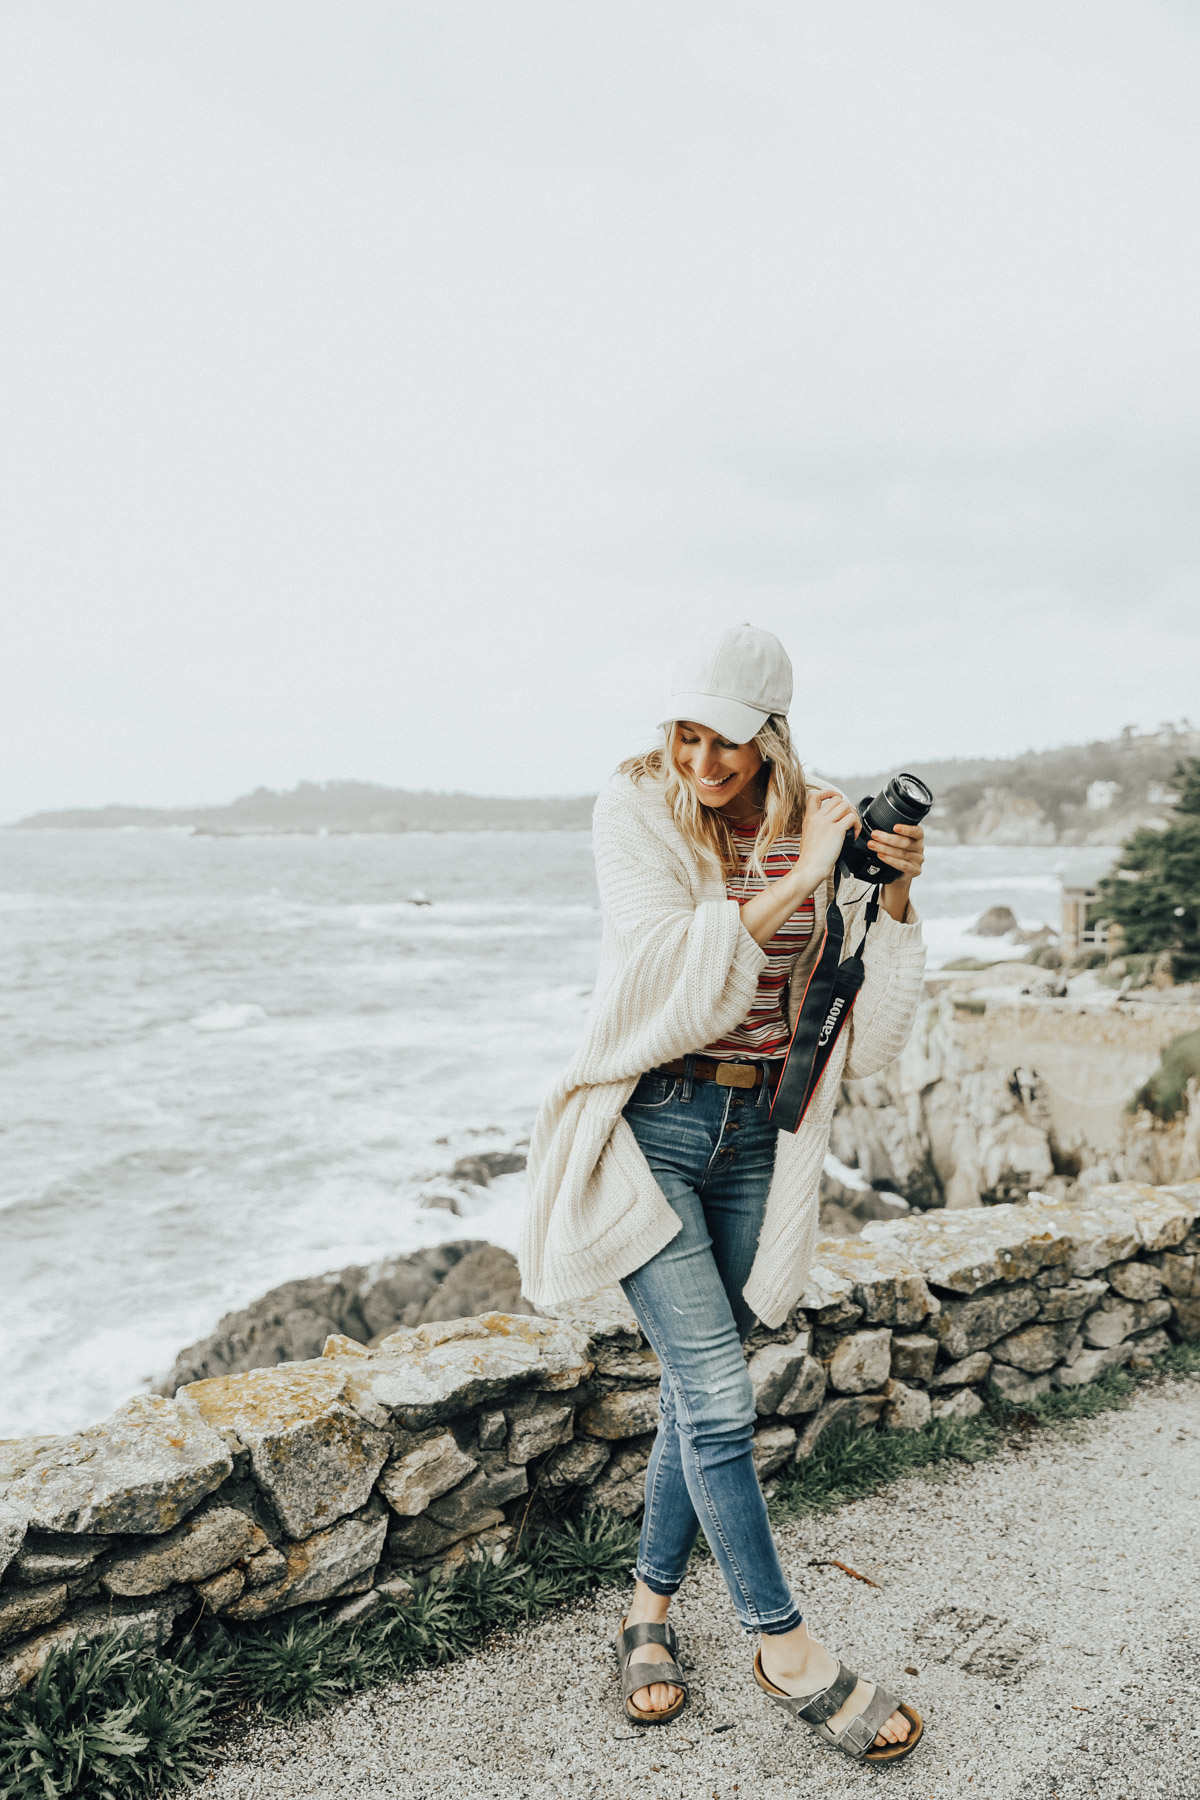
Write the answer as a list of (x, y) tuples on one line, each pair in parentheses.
[(228, 1062)]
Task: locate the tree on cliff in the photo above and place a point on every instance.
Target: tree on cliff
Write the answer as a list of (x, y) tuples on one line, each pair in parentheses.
[(1159, 909)]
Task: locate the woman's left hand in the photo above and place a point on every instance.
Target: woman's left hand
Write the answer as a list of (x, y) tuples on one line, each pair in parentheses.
[(902, 849)]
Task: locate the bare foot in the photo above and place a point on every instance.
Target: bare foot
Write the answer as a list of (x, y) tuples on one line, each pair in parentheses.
[(650, 1608), (799, 1665)]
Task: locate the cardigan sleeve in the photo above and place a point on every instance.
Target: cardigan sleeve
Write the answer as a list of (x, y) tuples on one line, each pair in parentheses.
[(686, 972), (894, 965)]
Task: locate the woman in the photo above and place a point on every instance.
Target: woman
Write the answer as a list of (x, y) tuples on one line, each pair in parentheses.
[(654, 1161)]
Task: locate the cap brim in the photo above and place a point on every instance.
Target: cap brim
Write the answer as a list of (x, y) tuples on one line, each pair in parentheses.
[(732, 718)]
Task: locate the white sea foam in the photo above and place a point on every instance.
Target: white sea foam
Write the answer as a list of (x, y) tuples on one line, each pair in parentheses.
[(229, 1018)]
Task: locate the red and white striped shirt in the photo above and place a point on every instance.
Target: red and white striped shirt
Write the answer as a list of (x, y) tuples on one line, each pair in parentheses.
[(764, 1031)]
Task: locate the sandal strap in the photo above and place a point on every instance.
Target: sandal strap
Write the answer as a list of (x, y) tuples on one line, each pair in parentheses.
[(814, 1709), (862, 1731), (637, 1675), (648, 1632)]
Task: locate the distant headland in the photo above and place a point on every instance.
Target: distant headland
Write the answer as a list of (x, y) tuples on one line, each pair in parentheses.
[(1093, 793)]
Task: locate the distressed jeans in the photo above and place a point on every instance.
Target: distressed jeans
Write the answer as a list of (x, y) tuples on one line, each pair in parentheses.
[(712, 1151)]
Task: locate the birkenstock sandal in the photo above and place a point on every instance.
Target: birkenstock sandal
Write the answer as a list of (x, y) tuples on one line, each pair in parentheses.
[(857, 1737), (635, 1675)]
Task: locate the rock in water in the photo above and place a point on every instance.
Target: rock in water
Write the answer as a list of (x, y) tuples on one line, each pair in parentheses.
[(486, 1279), (997, 921)]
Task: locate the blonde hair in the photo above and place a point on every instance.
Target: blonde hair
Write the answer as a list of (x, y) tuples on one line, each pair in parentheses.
[(703, 828)]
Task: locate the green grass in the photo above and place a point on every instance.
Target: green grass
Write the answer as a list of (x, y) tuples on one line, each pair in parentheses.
[(114, 1718)]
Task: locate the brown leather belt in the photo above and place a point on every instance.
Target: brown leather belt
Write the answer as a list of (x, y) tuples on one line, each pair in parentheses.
[(725, 1074)]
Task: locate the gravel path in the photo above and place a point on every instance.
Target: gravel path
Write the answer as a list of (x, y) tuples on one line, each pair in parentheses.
[(1048, 1601)]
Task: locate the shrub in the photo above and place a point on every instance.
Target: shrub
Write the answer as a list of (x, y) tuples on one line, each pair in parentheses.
[(1165, 1092), (1159, 912), (112, 1717)]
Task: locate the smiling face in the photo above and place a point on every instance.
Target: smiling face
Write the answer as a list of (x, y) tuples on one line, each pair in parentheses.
[(722, 774)]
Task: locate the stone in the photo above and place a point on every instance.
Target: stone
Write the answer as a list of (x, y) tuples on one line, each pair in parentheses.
[(1187, 1319), (1181, 1274), (432, 1468), (422, 1539), (621, 1415), (851, 1412), (959, 1374), (211, 1539), (965, 1250), (1072, 1299), (1036, 1348), (1163, 1216), (220, 1591), (537, 1424), (1136, 1280), (150, 1621), (437, 1371), (861, 1361), (807, 1391), (23, 1609), (575, 1464), (1114, 1320), (481, 1546), (622, 1487), (55, 1556), (269, 1565), (1016, 1388), (905, 1408), (1154, 1343), (603, 1317), (492, 1430), (913, 1358), (1090, 1365), (828, 1293), (640, 1364), (306, 1426), (12, 1533), (774, 1370), (773, 1446), (486, 1279), (464, 1507), (321, 1566), (144, 1469), (964, 1403), (354, 1611), (966, 1325), (338, 1344), (883, 1282)]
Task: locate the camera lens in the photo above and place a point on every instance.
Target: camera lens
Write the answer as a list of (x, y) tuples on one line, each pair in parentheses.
[(904, 801), (912, 789)]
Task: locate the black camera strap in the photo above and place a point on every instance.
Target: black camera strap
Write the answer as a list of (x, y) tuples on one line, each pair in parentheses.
[(828, 1002)]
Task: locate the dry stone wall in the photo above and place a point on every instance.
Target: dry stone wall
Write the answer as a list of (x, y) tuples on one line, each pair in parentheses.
[(335, 1478)]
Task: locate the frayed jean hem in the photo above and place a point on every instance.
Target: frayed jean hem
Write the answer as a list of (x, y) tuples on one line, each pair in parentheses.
[(666, 1585), (775, 1627)]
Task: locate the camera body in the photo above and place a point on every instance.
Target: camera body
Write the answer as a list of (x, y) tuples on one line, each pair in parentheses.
[(904, 801)]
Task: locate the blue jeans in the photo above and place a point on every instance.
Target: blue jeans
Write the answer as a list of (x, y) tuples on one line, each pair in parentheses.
[(712, 1152)]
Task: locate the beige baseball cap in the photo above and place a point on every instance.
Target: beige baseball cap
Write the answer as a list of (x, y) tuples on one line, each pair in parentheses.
[(732, 681)]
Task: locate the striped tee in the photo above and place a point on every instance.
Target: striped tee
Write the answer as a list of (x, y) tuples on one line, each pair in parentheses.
[(764, 1032)]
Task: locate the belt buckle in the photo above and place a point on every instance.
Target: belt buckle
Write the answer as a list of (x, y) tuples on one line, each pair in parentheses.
[(736, 1075)]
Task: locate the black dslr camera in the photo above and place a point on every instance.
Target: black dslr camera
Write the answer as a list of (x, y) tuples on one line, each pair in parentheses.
[(904, 801)]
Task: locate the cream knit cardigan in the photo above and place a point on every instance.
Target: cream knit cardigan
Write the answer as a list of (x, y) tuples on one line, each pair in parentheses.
[(677, 970)]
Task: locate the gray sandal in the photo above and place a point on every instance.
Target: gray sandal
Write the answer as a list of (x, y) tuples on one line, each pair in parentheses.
[(857, 1737), (635, 1675)]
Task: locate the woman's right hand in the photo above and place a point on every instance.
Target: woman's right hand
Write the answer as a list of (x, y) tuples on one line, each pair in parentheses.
[(828, 816)]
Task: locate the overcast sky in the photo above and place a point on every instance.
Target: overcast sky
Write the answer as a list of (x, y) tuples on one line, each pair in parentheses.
[(388, 388)]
